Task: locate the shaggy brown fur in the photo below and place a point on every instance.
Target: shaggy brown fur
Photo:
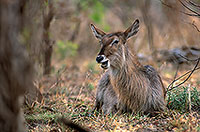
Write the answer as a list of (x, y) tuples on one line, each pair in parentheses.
[(127, 84), (106, 97)]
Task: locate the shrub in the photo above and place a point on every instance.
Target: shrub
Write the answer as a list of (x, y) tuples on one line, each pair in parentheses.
[(178, 99), (66, 49)]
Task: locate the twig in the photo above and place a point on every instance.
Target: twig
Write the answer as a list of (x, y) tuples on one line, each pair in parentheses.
[(185, 13), (192, 24), (191, 72), (195, 26), (194, 4), (182, 76), (197, 14), (188, 58), (177, 68), (166, 4)]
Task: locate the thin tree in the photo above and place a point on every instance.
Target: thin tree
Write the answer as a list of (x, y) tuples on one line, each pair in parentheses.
[(48, 43)]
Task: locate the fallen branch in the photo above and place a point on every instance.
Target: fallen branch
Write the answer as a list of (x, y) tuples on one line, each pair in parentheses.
[(72, 125)]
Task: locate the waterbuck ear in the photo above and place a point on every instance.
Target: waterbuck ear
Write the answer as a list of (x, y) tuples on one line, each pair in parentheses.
[(97, 32), (132, 30)]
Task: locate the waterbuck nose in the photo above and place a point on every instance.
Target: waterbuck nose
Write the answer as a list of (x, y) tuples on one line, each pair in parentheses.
[(99, 58)]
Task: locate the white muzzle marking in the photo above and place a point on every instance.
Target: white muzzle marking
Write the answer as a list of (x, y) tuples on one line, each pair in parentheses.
[(105, 63)]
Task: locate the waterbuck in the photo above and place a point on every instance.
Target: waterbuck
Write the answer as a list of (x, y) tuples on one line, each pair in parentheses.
[(126, 84)]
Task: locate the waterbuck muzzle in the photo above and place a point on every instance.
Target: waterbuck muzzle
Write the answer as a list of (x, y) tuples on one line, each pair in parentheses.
[(101, 59)]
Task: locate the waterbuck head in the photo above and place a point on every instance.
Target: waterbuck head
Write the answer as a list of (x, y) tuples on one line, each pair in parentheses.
[(112, 44)]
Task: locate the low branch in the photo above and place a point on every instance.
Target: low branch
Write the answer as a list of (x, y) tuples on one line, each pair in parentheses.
[(194, 4), (192, 10), (196, 14), (195, 26), (191, 72), (188, 58)]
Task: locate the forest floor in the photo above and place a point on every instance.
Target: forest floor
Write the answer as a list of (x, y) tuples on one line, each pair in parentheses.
[(70, 93)]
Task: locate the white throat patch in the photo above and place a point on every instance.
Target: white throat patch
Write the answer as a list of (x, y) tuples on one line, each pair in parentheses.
[(123, 54)]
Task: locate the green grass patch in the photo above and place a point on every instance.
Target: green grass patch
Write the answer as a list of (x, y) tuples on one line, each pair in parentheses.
[(178, 99), (42, 116)]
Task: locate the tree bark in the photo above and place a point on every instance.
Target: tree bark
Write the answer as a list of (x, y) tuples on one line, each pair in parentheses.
[(16, 71)]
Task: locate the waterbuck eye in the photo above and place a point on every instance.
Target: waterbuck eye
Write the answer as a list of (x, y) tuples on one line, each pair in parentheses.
[(115, 41)]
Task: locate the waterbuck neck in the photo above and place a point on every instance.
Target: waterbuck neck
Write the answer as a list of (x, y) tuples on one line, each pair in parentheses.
[(125, 61), (129, 81)]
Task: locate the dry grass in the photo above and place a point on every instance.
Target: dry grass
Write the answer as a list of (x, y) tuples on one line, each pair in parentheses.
[(71, 93)]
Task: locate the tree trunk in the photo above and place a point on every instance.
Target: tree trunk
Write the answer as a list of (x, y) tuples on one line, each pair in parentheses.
[(16, 71), (48, 48), (147, 20)]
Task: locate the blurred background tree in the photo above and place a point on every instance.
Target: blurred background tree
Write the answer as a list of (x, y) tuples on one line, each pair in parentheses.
[(162, 27), (56, 33)]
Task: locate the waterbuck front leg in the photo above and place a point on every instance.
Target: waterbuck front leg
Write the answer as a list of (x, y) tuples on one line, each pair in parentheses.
[(106, 98), (101, 88)]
